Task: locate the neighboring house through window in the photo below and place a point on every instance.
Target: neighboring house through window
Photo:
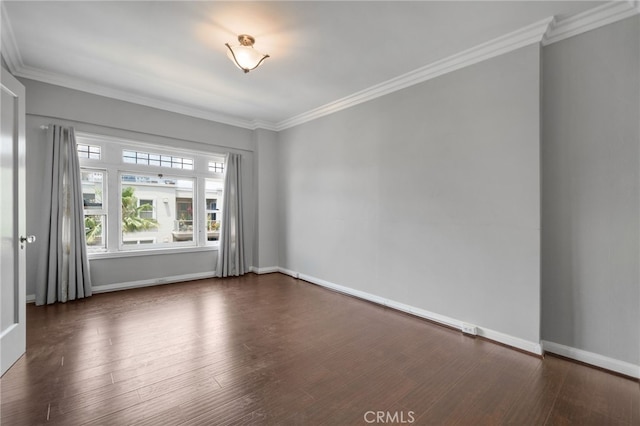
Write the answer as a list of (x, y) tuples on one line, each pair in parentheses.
[(140, 196)]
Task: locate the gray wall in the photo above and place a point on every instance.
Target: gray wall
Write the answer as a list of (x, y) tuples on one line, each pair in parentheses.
[(266, 152), (429, 196), (590, 207), (47, 103)]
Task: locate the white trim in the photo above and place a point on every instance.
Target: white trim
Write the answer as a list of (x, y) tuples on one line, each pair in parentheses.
[(10, 51), (592, 358), (263, 124), (342, 289), (150, 252), (151, 282), (507, 339), (266, 270), (590, 19), (96, 89), (507, 43), (31, 298), (515, 342), (289, 272)]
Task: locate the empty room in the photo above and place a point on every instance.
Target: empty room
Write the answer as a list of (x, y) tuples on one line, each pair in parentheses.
[(320, 212)]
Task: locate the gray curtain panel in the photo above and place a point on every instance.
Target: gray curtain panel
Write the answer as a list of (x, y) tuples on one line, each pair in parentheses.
[(63, 267), (231, 260)]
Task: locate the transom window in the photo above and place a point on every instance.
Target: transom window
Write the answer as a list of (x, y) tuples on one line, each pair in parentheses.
[(216, 167), (136, 157), (129, 206), (89, 151)]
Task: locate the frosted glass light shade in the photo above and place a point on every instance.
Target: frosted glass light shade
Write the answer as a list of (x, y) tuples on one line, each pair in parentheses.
[(244, 56)]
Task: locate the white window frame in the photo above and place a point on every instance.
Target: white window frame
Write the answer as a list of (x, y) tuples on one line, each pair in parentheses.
[(98, 212), (139, 241), (113, 165)]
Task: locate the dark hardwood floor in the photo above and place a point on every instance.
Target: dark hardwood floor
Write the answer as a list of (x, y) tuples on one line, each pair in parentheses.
[(274, 350)]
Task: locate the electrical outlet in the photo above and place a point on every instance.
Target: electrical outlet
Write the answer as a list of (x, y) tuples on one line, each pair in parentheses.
[(469, 329)]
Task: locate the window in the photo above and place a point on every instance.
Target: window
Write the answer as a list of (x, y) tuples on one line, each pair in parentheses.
[(94, 208), (89, 151), (213, 198), (92, 189), (159, 160), (216, 167), (146, 209)]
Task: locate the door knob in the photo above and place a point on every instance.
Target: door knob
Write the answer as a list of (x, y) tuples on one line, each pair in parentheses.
[(29, 239)]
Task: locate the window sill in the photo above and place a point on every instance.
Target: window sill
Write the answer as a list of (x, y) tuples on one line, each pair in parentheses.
[(149, 252)]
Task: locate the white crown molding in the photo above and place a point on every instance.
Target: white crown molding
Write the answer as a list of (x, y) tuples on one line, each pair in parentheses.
[(262, 124), (509, 42), (592, 358), (597, 17), (9, 46), (71, 83)]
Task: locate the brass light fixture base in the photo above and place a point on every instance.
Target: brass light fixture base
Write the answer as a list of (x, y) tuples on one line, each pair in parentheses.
[(246, 40)]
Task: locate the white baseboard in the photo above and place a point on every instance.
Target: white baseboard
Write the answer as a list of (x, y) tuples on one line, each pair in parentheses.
[(270, 269), (265, 270), (31, 298), (515, 342), (601, 361), (507, 339), (154, 281), (289, 272)]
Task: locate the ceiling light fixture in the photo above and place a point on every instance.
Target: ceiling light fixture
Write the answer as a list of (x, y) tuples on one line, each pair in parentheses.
[(244, 55)]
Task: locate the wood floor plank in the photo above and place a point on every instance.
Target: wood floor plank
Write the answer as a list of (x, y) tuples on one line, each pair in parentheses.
[(591, 396), (484, 394), (270, 349), (534, 402)]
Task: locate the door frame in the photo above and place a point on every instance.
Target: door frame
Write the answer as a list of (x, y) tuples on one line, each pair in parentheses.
[(13, 339)]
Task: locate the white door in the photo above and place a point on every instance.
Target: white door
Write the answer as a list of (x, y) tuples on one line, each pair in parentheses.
[(12, 223)]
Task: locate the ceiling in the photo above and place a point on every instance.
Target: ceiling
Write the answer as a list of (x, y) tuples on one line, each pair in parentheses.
[(171, 54)]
